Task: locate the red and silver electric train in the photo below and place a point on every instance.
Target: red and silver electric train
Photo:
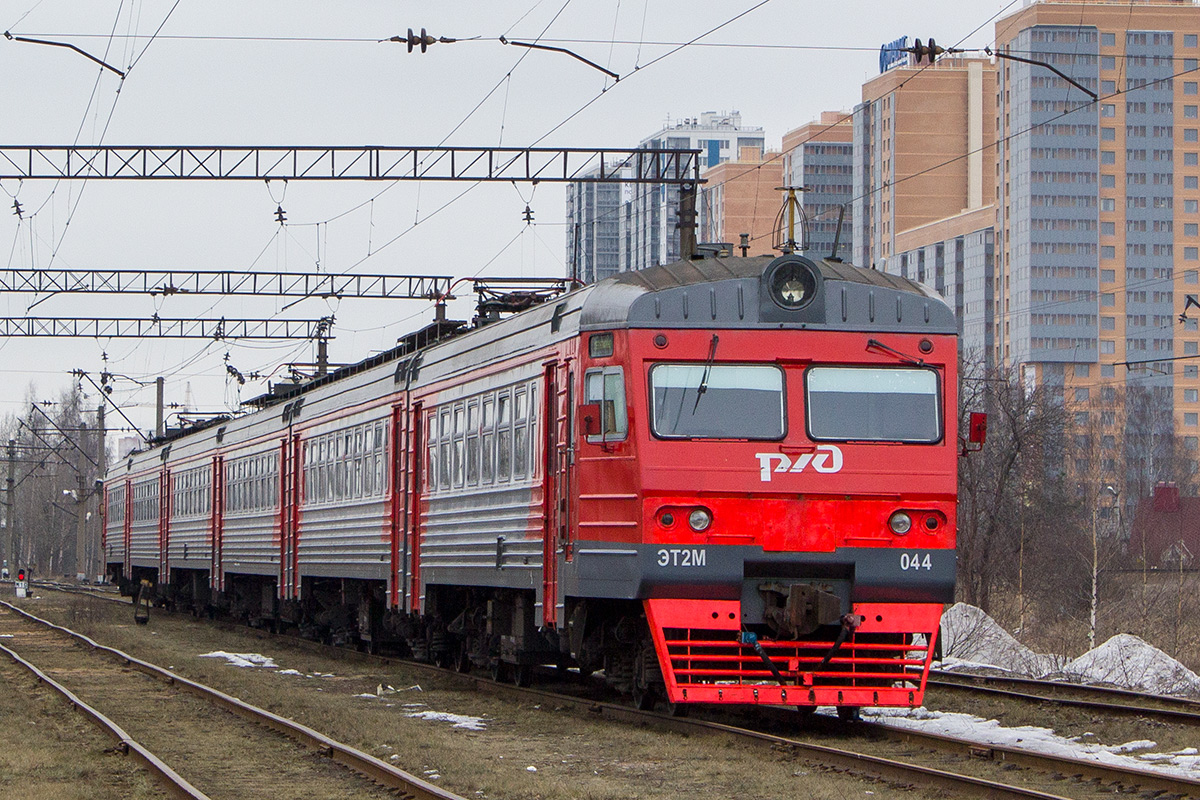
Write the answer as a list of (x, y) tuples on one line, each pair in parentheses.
[(728, 480)]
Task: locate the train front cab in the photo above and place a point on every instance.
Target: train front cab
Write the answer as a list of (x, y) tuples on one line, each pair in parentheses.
[(793, 537)]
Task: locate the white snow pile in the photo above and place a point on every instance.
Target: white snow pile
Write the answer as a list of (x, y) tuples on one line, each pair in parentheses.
[(971, 638), (242, 659), (1127, 661)]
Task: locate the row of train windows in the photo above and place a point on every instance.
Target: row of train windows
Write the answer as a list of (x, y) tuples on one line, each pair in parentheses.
[(145, 501), (252, 483), (483, 440), (350, 464), (191, 493), (116, 504)]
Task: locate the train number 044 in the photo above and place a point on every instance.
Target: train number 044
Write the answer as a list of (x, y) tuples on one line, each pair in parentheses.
[(915, 561)]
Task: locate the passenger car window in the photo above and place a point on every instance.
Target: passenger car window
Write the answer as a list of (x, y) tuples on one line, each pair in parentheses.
[(607, 388)]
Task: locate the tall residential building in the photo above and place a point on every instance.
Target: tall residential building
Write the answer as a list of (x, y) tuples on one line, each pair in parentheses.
[(593, 227), (924, 183), (1097, 243), (647, 214), (819, 157), (741, 196)]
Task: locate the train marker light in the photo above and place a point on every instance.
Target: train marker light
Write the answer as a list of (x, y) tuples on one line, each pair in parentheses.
[(900, 523), (700, 519)]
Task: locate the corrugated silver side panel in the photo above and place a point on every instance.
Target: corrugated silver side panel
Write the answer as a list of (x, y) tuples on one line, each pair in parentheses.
[(114, 543), (461, 530), (191, 535), (345, 535), (250, 539), (143, 544)]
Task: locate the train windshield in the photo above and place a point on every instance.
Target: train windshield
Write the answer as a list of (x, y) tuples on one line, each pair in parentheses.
[(882, 405), (698, 401)]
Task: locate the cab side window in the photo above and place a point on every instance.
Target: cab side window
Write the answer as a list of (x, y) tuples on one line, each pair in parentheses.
[(606, 388)]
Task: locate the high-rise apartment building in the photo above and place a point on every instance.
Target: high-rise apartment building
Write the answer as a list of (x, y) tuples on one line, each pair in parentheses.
[(594, 229), (924, 183), (647, 214), (819, 157), (1097, 212), (741, 196)]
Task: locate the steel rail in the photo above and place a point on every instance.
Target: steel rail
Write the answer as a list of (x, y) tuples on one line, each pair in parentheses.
[(374, 768), (175, 783), (1111, 691), (1127, 709), (848, 759)]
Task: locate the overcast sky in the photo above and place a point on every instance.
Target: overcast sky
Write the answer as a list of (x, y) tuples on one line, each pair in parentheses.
[(313, 73)]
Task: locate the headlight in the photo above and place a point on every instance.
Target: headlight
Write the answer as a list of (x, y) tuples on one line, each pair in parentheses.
[(900, 523), (700, 519), (793, 283)]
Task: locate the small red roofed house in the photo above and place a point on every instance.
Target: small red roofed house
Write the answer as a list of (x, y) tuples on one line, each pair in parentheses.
[(1166, 527)]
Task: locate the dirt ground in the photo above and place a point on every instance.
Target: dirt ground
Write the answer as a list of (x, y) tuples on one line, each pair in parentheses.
[(400, 714)]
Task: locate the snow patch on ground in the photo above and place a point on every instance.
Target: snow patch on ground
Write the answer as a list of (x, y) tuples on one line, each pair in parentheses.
[(1127, 661), (421, 711), (242, 659), (1185, 763)]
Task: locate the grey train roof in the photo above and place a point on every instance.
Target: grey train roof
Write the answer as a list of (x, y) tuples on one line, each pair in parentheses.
[(731, 292)]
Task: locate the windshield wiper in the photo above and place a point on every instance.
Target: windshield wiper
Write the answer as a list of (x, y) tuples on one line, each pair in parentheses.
[(907, 359), (712, 354)]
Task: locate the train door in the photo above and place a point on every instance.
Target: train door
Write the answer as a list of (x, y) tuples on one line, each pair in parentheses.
[(558, 456), (216, 573), (289, 517), (415, 456), (127, 528), (398, 505), (164, 526)]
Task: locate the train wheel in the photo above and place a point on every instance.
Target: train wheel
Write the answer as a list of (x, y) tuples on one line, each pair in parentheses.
[(644, 698), (523, 675), (849, 714), (499, 671), (677, 709), (462, 661)]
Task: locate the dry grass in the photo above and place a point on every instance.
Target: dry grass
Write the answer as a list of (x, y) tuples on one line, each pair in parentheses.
[(50, 752), (572, 756)]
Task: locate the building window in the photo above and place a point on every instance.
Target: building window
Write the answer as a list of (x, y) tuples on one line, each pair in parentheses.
[(1108, 62), (1191, 254), (1108, 228), (1108, 40), (1189, 112), (1189, 135), (1108, 181), (1108, 346), (1108, 251), (1189, 87), (1108, 110), (1191, 419), (1191, 276), (1108, 300), (1108, 275), (1190, 349), (1189, 40), (1189, 182), (1190, 229), (1083, 370), (1082, 395), (1108, 370), (1108, 134), (1108, 156), (1191, 395), (1108, 323), (1191, 371)]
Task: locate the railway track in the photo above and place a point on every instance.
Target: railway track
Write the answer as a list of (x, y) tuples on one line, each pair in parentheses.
[(169, 724), (903, 757), (1109, 700)]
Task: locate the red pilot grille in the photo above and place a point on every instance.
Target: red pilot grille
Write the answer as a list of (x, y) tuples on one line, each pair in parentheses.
[(705, 659)]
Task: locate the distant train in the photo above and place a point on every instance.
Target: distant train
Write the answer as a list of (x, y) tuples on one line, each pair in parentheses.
[(728, 480)]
